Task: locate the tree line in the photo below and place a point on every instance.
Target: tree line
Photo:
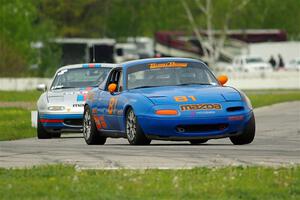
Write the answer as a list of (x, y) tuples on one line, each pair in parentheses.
[(25, 22)]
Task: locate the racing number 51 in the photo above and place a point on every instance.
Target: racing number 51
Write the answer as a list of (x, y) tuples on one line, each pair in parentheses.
[(112, 105)]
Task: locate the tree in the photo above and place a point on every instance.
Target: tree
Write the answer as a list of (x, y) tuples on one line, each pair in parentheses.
[(214, 43), (20, 27)]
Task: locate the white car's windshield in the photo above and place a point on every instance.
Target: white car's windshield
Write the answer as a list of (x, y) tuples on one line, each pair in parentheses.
[(254, 60), (79, 77), (169, 74)]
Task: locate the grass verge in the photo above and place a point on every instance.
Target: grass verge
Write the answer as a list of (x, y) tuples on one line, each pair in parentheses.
[(11, 96), (261, 98), (15, 123), (64, 182)]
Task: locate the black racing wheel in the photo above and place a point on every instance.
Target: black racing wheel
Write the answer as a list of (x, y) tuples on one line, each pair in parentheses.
[(134, 132), (90, 133), (248, 133)]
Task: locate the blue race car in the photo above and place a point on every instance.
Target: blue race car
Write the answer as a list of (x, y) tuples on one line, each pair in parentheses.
[(168, 99)]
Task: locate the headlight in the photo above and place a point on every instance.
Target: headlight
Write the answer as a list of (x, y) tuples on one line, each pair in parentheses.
[(246, 99), (55, 108)]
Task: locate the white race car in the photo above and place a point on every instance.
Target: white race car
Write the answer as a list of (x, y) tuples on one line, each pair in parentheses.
[(60, 108)]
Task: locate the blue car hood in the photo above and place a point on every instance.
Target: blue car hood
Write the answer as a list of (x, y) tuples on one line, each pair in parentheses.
[(203, 94)]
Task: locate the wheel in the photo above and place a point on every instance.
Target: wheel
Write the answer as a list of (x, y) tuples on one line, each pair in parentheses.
[(56, 135), (248, 133), (90, 133), (134, 132), (42, 133), (199, 141)]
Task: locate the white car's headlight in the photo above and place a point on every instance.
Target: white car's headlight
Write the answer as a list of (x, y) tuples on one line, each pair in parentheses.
[(55, 108)]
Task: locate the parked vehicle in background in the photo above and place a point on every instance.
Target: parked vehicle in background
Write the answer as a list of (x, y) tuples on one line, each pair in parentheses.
[(294, 64), (250, 64), (145, 46), (86, 50), (60, 108), (125, 52)]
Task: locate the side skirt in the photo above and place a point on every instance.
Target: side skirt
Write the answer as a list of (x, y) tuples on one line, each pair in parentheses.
[(113, 133)]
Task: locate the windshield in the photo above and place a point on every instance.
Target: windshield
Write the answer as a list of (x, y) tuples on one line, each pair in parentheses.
[(169, 74), (79, 77), (130, 51), (254, 60)]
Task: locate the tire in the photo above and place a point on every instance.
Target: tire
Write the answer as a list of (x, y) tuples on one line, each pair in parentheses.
[(42, 133), (199, 141), (90, 133), (248, 133), (56, 135), (134, 132)]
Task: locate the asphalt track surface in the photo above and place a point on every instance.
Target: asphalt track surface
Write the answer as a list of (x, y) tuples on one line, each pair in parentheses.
[(277, 143)]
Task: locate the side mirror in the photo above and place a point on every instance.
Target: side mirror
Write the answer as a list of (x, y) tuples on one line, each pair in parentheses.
[(41, 87), (222, 79), (112, 87)]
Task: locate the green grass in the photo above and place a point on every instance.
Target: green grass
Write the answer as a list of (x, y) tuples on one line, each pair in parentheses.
[(15, 123), (31, 95), (64, 182), (261, 98)]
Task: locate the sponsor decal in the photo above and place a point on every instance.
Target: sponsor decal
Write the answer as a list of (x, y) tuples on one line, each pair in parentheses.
[(90, 96), (91, 65), (112, 105), (167, 65), (206, 112), (76, 105), (82, 97), (204, 106), (100, 122), (84, 94), (94, 111)]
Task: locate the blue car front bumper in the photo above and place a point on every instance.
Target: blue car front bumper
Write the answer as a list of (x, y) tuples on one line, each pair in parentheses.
[(186, 128)]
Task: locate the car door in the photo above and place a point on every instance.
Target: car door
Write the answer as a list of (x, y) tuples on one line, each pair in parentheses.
[(110, 107)]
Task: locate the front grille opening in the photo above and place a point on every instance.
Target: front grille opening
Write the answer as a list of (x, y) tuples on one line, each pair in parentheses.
[(201, 127), (73, 122), (235, 108)]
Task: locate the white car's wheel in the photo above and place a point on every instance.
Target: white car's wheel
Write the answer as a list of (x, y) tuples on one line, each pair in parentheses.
[(56, 135), (42, 133)]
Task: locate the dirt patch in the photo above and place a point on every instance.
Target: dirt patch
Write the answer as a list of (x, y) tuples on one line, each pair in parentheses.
[(18, 104)]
